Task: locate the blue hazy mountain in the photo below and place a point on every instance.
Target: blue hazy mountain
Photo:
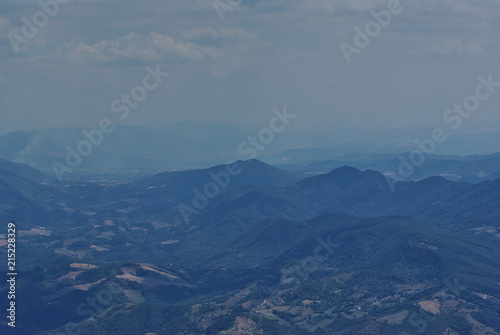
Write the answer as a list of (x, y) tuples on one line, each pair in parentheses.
[(187, 145), (377, 246)]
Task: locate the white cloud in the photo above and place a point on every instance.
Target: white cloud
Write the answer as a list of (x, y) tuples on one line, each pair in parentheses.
[(445, 45), (152, 47), (223, 32), (199, 33), (236, 33)]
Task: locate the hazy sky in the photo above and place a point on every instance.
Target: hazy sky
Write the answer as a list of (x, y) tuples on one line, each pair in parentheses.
[(264, 54)]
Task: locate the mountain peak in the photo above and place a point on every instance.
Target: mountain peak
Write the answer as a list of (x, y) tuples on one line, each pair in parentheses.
[(345, 172), (434, 180), (254, 163)]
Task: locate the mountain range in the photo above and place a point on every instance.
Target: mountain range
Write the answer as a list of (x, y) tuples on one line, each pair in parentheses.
[(132, 152), (270, 251)]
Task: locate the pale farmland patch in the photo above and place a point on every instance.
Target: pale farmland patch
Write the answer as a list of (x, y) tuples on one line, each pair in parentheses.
[(431, 306), (394, 319)]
